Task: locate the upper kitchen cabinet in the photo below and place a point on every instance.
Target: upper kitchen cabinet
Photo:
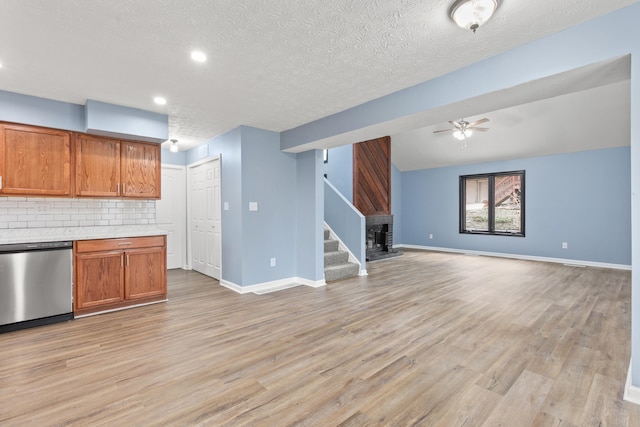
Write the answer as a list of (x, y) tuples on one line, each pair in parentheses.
[(140, 166), (35, 161), (97, 166), (107, 167)]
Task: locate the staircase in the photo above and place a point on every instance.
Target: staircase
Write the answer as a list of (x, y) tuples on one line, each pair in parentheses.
[(336, 261)]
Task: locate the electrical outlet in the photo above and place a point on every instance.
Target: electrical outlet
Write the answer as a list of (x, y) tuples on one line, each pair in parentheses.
[(273, 262), (564, 245), (430, 236)]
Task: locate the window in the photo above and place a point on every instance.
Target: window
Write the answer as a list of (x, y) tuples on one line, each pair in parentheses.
[(492, 203)]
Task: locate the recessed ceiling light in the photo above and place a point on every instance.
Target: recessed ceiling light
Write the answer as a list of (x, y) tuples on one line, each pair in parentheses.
[(198, 56), (159, 100)]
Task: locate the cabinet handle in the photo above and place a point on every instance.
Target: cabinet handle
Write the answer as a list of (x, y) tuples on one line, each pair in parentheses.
[(123, 188), (118, 190), (0, 183), (125, 243), (127, 260), (121, 260)]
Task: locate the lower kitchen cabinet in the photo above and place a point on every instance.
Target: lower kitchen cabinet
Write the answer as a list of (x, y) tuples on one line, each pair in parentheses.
[(117, 273)]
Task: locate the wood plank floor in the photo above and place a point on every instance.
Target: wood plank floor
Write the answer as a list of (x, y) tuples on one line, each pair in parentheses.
[(426, 339)]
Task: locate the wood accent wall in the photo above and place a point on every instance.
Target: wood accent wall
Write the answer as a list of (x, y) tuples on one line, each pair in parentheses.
[(372, 176)]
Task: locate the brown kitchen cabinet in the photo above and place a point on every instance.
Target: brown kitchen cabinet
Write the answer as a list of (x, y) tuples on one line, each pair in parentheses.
[(117, 273), (106, 167), (35, 161), (140, 170)]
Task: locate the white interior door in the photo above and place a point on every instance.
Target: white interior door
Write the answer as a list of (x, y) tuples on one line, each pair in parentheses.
[(171, 212), (205, 218)]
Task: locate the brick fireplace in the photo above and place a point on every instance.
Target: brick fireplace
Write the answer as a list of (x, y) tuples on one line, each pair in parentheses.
[(379, 237)]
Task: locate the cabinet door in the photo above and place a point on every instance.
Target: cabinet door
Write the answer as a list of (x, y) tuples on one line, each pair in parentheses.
[(140, 170), (99, 279), (97, 166), (35, 161), (145, 272)]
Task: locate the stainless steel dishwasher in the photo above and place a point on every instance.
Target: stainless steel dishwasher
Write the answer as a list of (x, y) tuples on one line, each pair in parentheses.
[(36, 284)]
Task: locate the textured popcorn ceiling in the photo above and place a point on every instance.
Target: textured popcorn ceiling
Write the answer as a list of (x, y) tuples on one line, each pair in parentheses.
[(273, 64)]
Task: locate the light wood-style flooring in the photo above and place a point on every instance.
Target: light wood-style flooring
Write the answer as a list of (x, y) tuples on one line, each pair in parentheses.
[(428, 339)]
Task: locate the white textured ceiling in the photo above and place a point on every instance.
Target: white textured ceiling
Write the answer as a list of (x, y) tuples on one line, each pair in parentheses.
[(273, 64)]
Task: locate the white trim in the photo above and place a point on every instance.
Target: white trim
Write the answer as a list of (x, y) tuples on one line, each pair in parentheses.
[(170, 166), (203, 161), (344, 248), (631, 392), (571, 262), (273, 286), (119, 309)]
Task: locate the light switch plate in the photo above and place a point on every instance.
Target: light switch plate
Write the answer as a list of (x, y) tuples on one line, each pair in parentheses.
[(226, 206), (253, 206)]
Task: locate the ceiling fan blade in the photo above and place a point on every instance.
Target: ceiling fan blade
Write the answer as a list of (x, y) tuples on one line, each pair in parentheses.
[(479, 122), (478, 129), (444, 130)]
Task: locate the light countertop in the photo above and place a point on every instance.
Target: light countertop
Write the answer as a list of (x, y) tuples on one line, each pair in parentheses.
[(34, 235)]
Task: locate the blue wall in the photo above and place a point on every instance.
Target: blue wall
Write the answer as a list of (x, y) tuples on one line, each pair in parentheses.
[(98, 118), (255, 170), (310, 216), (268, 178), (581, 198), (117, 121), (339, 170), (169, 158), (32, 110)]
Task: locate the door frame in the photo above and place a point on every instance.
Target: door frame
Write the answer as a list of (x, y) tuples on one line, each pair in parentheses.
[(190, 168)]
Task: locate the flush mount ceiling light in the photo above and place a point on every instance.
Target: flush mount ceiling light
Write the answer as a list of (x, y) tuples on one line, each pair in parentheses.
[(174, 146), (198, 56), (471, 14), (159, 100)]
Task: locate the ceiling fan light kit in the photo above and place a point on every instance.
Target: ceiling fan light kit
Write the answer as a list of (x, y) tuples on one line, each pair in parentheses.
[(462, 129), (461, 135), (472, 14)]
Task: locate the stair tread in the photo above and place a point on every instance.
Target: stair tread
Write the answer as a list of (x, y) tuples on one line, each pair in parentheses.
[(340, 266)]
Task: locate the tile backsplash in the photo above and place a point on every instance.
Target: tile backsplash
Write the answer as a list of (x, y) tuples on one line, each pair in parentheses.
[(45, 212)]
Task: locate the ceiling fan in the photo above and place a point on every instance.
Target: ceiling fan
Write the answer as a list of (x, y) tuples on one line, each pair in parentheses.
[(463, 129)]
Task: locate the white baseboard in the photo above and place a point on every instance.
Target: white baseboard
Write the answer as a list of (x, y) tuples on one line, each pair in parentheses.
[(631, 392), (273, 286), (571, 262)]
